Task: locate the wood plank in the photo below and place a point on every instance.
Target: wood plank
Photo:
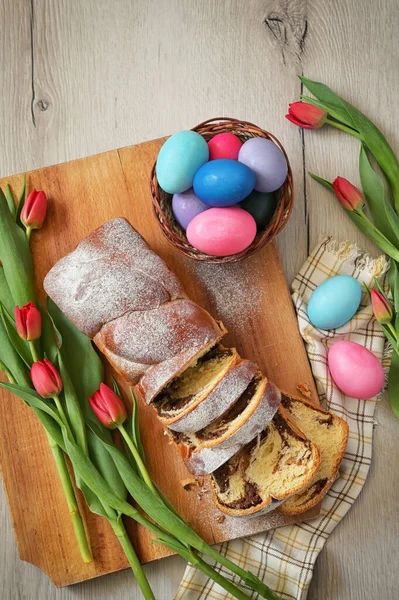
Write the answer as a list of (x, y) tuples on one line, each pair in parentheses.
[(252, 297)]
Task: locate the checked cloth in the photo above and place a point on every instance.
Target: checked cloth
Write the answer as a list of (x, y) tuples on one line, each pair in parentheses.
[(284, 558)]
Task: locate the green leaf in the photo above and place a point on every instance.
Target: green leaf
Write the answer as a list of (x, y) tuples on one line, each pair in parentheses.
[(10, 201), (51, 339), (384, 216), (72, 406), (16, 258), (324, 182), (328, 100), (20, 346), (21, 202), (12, 360), (394, 284), (367, 227), (393, 384), (5, 294), (104, 463), (388, 335), (134, 427)]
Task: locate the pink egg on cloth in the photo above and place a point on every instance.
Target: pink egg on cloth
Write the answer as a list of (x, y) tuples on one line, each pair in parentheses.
[(356, 371), (186, 206), (224, 145), (222, 231)]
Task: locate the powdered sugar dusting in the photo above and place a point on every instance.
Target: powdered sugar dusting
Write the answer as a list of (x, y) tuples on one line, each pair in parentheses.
[(111, 272)]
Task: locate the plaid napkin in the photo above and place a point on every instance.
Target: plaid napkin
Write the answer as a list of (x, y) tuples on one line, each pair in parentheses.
[(285, 558)]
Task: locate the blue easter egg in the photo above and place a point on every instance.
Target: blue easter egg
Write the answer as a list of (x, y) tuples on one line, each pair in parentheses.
[(179, 159), (223, 182), (334, 302)]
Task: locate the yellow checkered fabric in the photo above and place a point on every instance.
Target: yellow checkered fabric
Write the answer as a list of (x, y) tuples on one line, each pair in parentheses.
[(284, 558)]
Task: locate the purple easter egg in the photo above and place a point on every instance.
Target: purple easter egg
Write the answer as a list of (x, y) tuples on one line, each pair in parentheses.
[(267, 161), (186, 206)]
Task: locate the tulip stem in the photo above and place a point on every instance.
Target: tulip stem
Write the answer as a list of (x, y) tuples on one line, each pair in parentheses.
[(28, 232), (33, 351), (63, 416), (120, 532), (343, 127), (136, 455), (392, 330), (70, 497)]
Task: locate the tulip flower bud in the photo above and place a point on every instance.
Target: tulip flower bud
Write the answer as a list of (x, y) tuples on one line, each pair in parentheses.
[(382, 310), (349, 196), (46, 379), (28, 321), (34, 210), (108, 407), (306, 115)]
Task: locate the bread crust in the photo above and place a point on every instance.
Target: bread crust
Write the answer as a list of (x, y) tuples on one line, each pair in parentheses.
[(321, 492)]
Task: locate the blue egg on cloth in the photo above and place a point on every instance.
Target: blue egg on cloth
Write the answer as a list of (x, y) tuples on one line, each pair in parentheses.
[(223, 182), (261, 206), (179, 159), (334, 302), (186, 206), (267, 161)]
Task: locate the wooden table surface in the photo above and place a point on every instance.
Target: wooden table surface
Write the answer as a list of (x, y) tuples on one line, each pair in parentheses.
[(79, 77)]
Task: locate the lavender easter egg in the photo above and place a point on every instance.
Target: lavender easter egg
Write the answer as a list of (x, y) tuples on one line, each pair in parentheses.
[(223, 182), (224, 145), (222, 231), (355, 370), (179, 159), (267, 161), (186, 206)]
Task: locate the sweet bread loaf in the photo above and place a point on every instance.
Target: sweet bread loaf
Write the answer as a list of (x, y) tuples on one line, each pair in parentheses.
[(330, 433), (277, 464), (205, 450)]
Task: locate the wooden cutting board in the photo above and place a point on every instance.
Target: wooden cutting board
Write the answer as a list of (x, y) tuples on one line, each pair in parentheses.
[(251, 298)]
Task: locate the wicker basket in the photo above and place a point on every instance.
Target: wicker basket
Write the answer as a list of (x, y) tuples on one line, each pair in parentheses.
[(162, 202)]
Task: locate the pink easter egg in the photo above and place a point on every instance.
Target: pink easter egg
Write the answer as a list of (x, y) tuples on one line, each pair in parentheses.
[(356, 371), (224, 145), (222, 231)]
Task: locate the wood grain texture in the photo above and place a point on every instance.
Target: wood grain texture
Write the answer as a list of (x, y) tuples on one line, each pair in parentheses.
[(84, 194), (115, 74)]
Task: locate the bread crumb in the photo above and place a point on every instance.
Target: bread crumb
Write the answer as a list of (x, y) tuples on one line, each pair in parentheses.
[(187, 484), (220, 518), (304, 389)]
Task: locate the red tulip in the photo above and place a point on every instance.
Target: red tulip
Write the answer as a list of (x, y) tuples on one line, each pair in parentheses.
[(46, 379), (306, 115), (34, 210), (108, 407), (349, 196), (381, 308), (28, 321)]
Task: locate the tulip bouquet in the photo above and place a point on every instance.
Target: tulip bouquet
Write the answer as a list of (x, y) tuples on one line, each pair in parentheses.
[(58, 374), (380, 221)]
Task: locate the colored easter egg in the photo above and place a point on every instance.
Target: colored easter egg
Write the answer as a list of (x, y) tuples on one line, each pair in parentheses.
[(334, 302), (224, 145), (179, 159), (267, 161), (356, 371), (186, 206), (222, 231), (223, 182), (261, 206)]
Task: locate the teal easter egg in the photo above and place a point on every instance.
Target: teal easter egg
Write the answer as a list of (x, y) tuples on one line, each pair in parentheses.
[(261, 205), (179, 159), (334, 302)]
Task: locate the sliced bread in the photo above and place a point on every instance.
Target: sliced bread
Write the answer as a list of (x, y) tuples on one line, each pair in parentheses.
[(277, 464), (330, 433), (209, 448), (192, 387)]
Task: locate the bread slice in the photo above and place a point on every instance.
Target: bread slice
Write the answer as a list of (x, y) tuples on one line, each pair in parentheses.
[(218, 400), (186, 392), (209, 448), (330, 433), (277, 464)]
